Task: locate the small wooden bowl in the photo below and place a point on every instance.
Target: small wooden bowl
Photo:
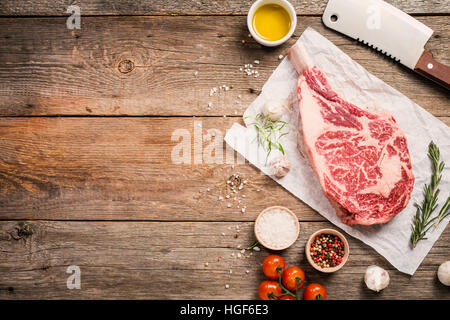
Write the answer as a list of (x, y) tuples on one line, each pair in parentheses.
[(258, 236), (344, 258)]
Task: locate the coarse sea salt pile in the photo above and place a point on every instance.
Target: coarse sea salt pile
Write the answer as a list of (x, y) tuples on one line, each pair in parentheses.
[(277, 228)]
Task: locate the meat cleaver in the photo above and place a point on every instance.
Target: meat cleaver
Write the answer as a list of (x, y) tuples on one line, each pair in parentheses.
[(389, 31)]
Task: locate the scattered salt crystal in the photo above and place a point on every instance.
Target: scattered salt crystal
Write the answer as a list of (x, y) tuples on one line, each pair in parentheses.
[(238, 255), (229, 205), (243, 251), (220, 198), (208, 189), (231, 271), (223, 233), (280, 57), (195, 73), (256, 62), (256, 249), (247, 271)]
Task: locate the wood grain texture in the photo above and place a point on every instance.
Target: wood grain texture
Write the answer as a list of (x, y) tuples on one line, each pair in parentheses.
[(166, 260), (187, 7), (45, 69), (122, 169)]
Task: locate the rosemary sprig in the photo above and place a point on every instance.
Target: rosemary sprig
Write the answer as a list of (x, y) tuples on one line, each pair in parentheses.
[(269, 133), (422, 220), (444, 213)]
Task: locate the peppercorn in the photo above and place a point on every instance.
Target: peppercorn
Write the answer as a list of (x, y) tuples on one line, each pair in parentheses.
[(327, 250)]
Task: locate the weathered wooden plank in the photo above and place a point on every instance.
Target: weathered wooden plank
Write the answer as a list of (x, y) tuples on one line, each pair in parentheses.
[(166, 260), (124, 169), (45, 69), (189, 7)]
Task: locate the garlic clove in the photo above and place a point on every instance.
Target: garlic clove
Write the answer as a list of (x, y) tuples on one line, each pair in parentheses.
[(376, 278), (273, 109), (444, 273), (280, 166)]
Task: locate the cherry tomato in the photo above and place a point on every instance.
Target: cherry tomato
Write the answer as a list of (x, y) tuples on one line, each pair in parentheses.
[(290, 276), (270, 265), (267, 288), (287, 297), (315, 291)]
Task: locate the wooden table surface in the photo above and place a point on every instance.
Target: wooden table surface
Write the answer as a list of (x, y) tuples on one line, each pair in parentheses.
[(89, 120)]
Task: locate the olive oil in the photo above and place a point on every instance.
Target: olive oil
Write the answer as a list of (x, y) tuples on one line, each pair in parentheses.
[(271, 22)]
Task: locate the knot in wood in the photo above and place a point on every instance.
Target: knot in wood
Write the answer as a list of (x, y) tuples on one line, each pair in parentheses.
[(125, 66)]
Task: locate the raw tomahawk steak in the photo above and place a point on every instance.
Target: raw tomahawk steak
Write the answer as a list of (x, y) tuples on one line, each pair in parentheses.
[(361, 158)]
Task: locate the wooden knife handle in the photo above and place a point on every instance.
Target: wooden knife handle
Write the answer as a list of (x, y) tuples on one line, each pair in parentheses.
[(433, 70)]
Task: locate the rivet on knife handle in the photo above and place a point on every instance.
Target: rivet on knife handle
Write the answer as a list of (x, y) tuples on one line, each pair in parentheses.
[(433, 70)]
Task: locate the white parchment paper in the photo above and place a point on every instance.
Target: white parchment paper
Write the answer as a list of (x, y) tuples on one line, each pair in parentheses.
[(355, 84)]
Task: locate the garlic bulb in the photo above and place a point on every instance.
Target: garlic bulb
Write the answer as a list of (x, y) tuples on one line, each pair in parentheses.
[(273, 109), (444, 273), (280, 166), (376, 278)]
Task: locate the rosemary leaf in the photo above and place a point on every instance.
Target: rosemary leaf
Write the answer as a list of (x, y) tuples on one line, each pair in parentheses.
[(269, 133), (422, 221)]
